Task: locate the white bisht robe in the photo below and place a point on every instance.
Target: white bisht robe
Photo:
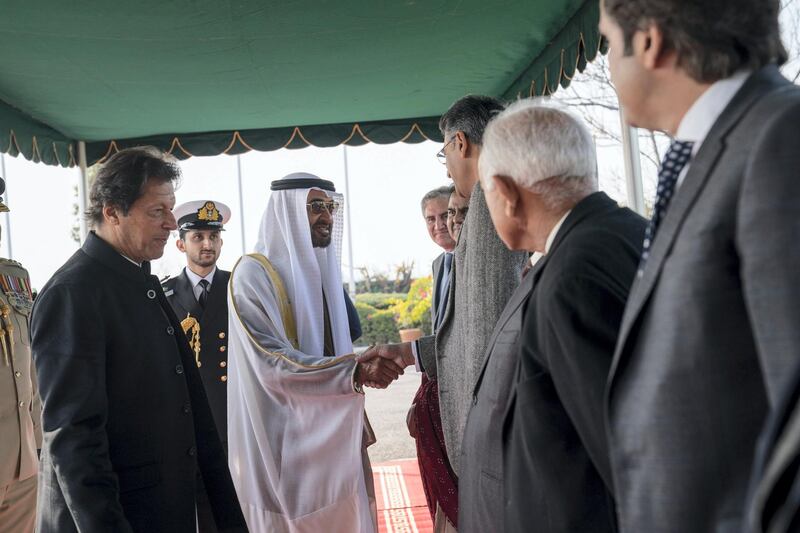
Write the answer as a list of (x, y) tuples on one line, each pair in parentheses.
[(295, 424)]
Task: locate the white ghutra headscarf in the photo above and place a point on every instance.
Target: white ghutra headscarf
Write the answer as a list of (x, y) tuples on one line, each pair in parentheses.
[(285, 239)]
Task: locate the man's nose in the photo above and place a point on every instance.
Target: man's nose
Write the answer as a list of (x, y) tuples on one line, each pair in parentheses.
[(169, 222), (325, 216)]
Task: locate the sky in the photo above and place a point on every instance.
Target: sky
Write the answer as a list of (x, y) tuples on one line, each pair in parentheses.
[(386, 185), (386, 182)]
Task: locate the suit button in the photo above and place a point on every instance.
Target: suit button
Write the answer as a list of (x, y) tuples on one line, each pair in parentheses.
[(186, 407), (221, 334), (223, 378), (191, 451), (170, 330), (223, 364), (474, 399), (22, 404), (179, 369), (221, 348), (151, 294), (18, 374)]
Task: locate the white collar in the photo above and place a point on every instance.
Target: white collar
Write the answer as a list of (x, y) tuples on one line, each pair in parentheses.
[(705, 111), (131, 260), (550, 238), (195, 279)]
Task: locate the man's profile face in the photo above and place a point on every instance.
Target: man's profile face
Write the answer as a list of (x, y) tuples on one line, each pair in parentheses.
[(320, 219), (201, 247), (436, 221), (630, 80), (456, 213), (144, 231)]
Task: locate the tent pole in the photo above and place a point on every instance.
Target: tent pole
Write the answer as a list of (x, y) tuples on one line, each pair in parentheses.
[(7, 236), (352, 284), (241, 200), (633, 166), (83, 185)]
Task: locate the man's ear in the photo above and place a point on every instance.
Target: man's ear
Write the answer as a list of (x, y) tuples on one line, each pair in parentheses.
[(181, 245), (111, 214), (463, 145), (509, 194), (649, 47)]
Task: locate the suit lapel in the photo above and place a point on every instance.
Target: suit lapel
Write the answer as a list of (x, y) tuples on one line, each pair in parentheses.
[(587, 207), (700, 169), (185, 296), (437, 272)]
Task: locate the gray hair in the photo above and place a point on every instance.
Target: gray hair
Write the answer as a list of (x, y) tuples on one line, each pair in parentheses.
[(469, 115), (543, 149), (439, 192)]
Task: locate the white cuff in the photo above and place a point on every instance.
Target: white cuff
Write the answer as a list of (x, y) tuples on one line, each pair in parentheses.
[(415, 352)]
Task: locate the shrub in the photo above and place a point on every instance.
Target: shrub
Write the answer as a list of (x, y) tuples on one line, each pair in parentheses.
[(378, 325), (415, 310)]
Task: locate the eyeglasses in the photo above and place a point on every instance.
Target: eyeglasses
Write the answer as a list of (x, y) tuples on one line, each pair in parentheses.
[(461, 212), (317, 206), (440, 155)]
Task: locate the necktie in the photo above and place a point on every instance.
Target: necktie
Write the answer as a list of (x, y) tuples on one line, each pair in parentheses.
[(203, 298), (444, 287), (675, 159)]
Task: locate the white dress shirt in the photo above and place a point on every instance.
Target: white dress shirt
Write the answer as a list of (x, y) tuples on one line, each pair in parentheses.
[(700, 118), (194, 279)]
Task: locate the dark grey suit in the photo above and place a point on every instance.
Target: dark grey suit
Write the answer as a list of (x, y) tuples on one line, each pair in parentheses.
[(480, 487), (437, 281), (711, 327), (556, 469), (774, 501)]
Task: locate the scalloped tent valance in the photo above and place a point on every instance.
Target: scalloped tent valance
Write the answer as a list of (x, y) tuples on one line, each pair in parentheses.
[(204, 77)]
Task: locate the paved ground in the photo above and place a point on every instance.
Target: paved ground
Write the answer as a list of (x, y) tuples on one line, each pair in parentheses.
[(387, 410)]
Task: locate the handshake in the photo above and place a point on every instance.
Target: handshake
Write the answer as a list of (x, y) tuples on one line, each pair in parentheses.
[(382, 364)]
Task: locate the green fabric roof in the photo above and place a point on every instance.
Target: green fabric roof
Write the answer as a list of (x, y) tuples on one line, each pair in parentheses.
[(203, 77)]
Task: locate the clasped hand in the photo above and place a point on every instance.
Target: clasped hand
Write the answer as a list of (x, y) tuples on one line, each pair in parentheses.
[(382, 364)]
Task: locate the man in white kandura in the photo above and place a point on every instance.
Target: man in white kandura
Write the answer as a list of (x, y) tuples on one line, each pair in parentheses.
[(296, 426)]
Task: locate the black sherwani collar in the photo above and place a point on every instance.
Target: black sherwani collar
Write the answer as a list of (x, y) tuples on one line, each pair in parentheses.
[(98, 249)]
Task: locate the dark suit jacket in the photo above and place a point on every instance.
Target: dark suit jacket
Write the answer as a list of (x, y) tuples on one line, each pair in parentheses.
[(126, 421), (213, 337), (774, 495), (710, 332), (556, 467), (480, 487), (437, 280)]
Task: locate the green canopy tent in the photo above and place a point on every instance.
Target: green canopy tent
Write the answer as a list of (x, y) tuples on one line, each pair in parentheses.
[(206, 77)]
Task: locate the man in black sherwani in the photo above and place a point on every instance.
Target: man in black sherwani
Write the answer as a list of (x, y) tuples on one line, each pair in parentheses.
[(126, 421)]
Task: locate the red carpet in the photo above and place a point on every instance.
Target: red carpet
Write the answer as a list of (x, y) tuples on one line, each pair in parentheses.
[(400, 498)]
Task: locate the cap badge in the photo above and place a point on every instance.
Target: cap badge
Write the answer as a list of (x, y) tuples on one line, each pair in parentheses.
[(208, 212)]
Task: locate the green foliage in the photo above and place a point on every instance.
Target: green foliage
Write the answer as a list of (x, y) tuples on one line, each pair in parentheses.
[(377, 325), (382, 314), (380, 300), (415, 310)]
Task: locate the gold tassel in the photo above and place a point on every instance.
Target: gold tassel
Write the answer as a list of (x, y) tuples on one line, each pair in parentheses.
[(5, 310), (191, 324), (3, 342)]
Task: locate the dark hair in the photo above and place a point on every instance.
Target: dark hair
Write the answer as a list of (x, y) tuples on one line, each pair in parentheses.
[(121, 179), (439, 192), (713, 38), (470, 115)]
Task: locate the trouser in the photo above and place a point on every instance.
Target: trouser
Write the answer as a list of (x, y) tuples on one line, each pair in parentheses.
[(18, 506)]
